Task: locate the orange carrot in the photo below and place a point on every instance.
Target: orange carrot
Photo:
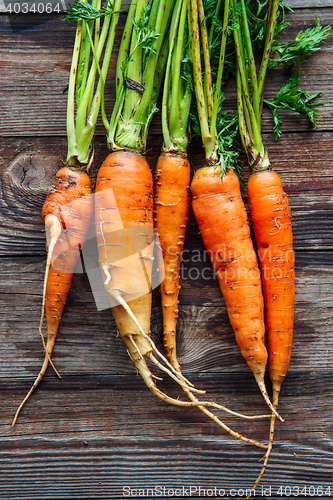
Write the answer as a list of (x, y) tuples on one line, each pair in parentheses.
[(67, 212), (171, 213), (271, 217), (220, 212)]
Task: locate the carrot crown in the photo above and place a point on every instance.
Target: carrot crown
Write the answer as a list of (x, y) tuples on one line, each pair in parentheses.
[(177, 89), (217, 128), (249, 110), (84, 96), (140, 67)]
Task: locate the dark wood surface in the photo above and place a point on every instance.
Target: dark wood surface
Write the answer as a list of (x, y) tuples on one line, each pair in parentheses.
[(99, 429)]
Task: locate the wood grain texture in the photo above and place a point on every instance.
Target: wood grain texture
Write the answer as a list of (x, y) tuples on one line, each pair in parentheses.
[(98, 429)]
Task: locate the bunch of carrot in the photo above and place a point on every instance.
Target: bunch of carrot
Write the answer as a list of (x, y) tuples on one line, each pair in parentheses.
[(256, 301), (124, 191), (220, 212), (124, 186)]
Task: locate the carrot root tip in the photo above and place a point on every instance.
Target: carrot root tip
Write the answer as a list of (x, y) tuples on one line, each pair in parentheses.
[(263, 390)]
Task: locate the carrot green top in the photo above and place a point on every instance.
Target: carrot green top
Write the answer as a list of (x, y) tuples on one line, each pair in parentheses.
[(84, 96), (289, 97), (227, 48), (214, 125), (177, 89), (140, 67)]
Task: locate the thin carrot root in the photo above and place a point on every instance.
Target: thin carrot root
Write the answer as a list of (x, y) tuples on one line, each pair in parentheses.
[(54, 224), (147, 376), (48, 351), (219, 422), (263, 390), (276, 392), (179, 378)]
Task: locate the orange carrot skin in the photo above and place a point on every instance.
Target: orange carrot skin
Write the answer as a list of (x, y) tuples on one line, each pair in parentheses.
[(220, 212), (171, 214), (271, 217), (130, 178), (71, 201), (124, 200)]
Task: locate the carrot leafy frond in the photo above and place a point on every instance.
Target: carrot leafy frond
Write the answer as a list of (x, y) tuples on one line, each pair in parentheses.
[(300, 49), (228, 143), (85, 90), (146, 36), (294, 99), (81, 10)]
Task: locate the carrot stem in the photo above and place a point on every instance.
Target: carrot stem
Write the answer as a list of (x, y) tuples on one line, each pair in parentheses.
[(220, 69), (208, 88), (209, 142), (71, 132), (251, 62), (271, 23)]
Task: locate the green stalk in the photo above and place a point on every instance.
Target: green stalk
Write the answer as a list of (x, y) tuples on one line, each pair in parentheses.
[(220, 69), (165, 9), (209, 142), (97, 26), (83, 66), (124, 48), (134, 108), (85, 139), (134, 70), (271, 23), (85, 102), (241, 117), (252, 66), (166, 90), (208, 87), (176, 99), (251, 120), (80, 130), (71, 133), (211, 32)]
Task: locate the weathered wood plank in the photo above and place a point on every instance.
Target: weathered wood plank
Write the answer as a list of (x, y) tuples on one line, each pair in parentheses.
[(152, 444), (308, 4)]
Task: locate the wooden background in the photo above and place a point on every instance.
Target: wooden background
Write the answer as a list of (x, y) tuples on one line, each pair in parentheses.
[(99, 429)]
